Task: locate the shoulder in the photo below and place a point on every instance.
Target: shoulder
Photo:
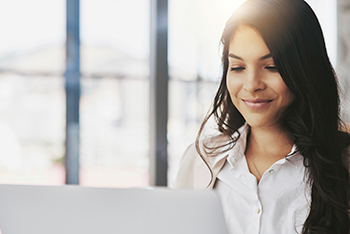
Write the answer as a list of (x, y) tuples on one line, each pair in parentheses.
[(186, 174), (190, 159), (195, 170)]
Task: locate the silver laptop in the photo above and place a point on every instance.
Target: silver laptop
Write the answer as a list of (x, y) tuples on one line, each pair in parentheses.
[(82, 210)]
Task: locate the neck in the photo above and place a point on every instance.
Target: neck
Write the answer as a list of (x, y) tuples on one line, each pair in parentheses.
[(271, 143), (265, 146)]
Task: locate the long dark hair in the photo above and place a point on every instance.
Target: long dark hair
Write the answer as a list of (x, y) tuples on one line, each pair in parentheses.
[(294, 37)]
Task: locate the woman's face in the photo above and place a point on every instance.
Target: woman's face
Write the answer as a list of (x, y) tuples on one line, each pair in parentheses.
[(256, 88)]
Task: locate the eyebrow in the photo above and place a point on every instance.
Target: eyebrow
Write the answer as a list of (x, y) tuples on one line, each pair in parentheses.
[(267, 56)]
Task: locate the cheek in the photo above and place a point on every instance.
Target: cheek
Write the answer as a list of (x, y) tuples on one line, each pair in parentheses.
[(285, 93), (290, 99), (233, 87)]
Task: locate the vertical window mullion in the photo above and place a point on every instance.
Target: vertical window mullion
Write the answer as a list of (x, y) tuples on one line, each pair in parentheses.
[(159, 92), (72, 86)]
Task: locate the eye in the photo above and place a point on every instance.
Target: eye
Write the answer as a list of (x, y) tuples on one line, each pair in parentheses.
[(237, 69), (271, 68)]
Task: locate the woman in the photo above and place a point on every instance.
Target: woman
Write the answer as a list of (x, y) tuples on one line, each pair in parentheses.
[(280, 159)]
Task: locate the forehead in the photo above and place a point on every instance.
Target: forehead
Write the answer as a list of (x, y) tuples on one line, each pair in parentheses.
[(246, 41)]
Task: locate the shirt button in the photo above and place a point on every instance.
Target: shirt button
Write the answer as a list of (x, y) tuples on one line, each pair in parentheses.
[(258, 211), (271, 171)]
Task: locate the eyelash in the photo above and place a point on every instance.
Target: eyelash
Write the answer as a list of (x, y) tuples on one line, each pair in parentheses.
[(239, 69), (271, 68)]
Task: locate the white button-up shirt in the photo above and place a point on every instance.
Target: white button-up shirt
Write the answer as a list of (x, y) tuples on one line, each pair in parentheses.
[(280, 203)]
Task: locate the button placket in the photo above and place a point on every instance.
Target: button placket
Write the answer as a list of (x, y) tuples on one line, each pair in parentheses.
[(258, 209), (256, 219), (257, 206)]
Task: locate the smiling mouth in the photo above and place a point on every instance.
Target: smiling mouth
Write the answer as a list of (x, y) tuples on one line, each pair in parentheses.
[(257, 103)]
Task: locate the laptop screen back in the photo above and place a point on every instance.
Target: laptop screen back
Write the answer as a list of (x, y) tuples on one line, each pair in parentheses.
[(83, 210)]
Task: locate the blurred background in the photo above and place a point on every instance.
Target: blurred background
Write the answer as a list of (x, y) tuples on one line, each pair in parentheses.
[(114, 114)]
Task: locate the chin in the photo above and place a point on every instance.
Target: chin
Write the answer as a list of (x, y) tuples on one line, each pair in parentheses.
[(259, 123)]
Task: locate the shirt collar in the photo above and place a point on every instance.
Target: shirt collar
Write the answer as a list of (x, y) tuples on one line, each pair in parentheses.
[(238, 149)]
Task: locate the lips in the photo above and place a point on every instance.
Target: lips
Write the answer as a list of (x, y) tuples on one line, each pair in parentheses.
[(257, 103)]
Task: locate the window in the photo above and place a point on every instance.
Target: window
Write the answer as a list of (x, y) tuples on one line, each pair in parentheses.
[(114, 105), (32, 106), (115, 96)]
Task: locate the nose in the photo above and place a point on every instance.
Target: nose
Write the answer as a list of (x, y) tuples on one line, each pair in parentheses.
[(254, 82)]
